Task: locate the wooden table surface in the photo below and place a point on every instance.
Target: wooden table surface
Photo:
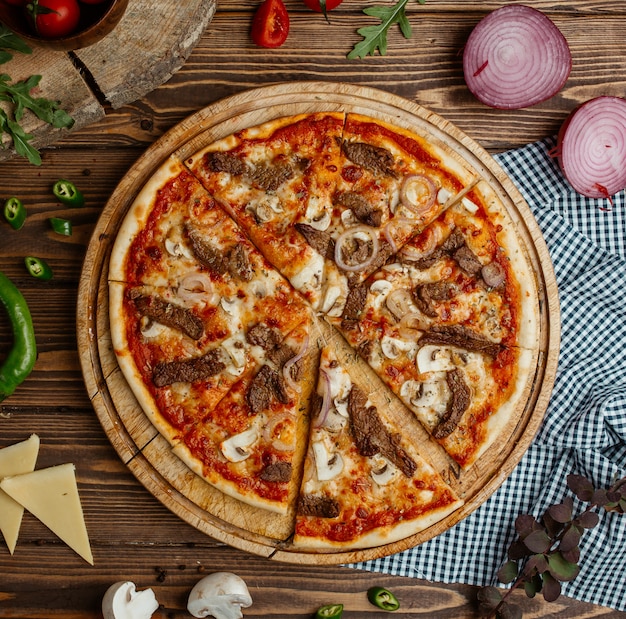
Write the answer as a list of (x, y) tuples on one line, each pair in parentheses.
[(134, 537)]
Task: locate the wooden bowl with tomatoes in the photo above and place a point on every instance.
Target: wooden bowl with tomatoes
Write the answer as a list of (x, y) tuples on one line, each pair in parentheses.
[(62, 25)]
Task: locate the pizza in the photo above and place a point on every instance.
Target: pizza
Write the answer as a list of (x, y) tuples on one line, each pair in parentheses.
[(316, 313)]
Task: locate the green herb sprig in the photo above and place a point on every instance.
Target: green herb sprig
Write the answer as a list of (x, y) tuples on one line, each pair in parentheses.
[(18, 95), (546, 552), (375, 36)]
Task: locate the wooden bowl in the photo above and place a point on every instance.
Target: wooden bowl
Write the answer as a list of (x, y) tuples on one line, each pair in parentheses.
[(96, 21)]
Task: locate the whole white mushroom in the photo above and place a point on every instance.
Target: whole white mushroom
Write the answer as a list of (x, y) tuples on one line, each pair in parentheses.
[(221, 595), (123, 601)]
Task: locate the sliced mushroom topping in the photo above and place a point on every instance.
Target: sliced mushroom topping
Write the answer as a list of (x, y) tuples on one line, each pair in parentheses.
[(327, 465), (237, 447), (393, 347), (177, 249), (383, 471), (432, 358)]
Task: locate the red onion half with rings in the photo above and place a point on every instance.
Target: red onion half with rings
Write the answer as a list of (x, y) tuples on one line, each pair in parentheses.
[(591, 147), (516, 57)]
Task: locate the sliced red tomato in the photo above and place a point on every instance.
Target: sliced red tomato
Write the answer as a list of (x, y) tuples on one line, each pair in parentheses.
[(321, 6), (55, 18), (270, 25)]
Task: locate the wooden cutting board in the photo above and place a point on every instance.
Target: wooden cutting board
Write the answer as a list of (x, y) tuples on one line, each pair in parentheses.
[(148, 455), (151, 42)]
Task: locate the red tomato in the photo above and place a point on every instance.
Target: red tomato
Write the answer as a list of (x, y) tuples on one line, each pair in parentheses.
[(16, 2), (55, 18), (270, 25), (315, 5)]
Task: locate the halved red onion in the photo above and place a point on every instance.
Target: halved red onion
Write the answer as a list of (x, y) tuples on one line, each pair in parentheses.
[(418, 193), (591, 147), (516, 57)]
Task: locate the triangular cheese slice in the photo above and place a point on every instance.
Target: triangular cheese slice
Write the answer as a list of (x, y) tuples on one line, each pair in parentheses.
[(15, 460), (52, 496)]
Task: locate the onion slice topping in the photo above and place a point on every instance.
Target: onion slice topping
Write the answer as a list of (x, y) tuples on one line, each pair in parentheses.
[(418, 193), (287, 367), (516, 57), (350, 237), (591, 147)]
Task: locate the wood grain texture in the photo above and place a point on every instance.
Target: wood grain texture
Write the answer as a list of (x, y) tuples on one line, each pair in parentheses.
[(134, 535)]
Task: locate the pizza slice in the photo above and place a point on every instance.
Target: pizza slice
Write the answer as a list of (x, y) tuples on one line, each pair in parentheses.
[(268, 178), (451, 326), (364, 483), (250, 445), (390, 185)]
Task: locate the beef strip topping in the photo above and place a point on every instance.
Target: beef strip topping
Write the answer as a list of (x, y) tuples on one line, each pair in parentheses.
[(234, 261), (467, 260), (370, 157), (372, 437), (265, 386), (271, 177), (169, 314), (461, 337), (318, 506), (425, 294), (277, 472), (362, 209), (225, 162), (189, 370), (355, 302), (458, 404), (319, 240), (271, 340)]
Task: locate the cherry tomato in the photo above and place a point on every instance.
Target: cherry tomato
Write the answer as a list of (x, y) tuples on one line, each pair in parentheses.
[(317, 5), (16, 2), (270, 25), (55, 18)]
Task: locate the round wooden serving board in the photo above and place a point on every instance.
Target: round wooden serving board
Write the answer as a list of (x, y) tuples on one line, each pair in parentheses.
[(148, 455)]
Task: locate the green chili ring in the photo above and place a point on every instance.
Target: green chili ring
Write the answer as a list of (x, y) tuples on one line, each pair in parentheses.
[(22, 356), (383, 598), (67, 193), (15, 212), (329, 611)]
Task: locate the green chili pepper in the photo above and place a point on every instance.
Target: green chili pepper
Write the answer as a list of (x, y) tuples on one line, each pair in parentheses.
[(330, 611), (61, 226), (383, 598), (38, 267), (21, 358), (67, 193), (15, 212)]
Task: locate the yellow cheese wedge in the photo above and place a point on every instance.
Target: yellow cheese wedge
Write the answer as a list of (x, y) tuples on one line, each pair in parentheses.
[(52, 496), (15, 460)]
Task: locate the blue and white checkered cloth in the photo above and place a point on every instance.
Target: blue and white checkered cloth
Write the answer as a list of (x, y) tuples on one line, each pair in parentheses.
[(584, 430)]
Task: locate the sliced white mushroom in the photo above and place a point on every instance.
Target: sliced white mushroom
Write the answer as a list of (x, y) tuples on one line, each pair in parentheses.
[(149, 328), (472, 207), (231, 306), (393, 347), (177, 249), (320, 221), (236, 348), (348, 218), (221, 595), (379, 291), (443, 195), (432, 358), (382, 471), (310, 277), (123, 601), (333, 301), (327, 465), (236, 448)]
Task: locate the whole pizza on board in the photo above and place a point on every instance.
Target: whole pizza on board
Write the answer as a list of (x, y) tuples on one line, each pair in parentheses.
[(273, 293)]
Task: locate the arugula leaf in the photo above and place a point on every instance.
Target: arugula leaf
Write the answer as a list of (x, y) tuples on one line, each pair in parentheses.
[(375, 37), (18, 95)]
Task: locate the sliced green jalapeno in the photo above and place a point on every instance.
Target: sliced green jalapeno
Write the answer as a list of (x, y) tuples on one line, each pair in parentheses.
[(61, 226), (19, 363), (329, 611), (38, 267), (15, 212), (383, 598), (66, 192)]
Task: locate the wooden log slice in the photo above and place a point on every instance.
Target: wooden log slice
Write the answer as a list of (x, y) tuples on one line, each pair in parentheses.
[(148, 455)]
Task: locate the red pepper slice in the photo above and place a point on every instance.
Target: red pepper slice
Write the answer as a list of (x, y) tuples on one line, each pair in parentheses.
[(270, 25)]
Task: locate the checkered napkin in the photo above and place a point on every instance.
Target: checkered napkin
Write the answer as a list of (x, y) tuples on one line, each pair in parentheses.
[(584, 430)]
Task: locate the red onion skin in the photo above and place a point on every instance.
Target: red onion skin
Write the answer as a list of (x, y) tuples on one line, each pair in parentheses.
[(492, 82), (573, 146)]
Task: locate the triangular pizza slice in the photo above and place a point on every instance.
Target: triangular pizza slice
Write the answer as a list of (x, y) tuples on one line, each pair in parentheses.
[(364, 483)]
